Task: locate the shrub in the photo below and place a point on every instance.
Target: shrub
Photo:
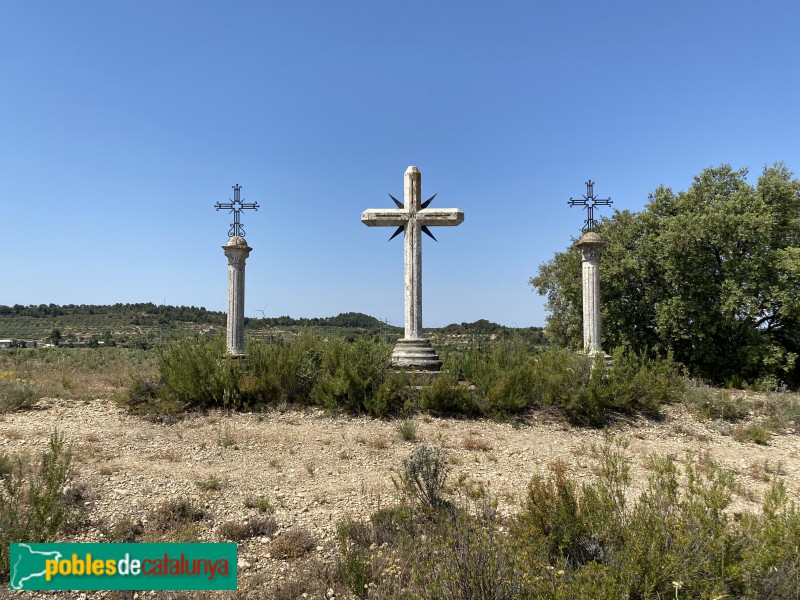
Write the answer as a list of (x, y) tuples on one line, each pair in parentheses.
[(407, 431), (194, 371), (127, 530), (16, 394), (471, 559), (176, 512), (708, 403), (293, 544), (447, 397), (32, 506), (352, 374), (286, 371), (395, 395), (424, 474)]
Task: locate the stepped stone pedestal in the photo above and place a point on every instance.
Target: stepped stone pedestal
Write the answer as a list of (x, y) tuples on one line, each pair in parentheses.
[(415, 355)]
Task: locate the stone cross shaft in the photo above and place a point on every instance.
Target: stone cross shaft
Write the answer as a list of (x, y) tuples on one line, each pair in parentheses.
[(413, 217)]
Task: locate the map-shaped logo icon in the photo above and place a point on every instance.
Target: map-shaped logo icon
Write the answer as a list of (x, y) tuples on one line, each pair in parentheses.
[(27, 564)]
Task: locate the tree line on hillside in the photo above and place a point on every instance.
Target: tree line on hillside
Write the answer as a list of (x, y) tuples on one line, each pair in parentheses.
[(146, 313), (710, 275), (135, 314)]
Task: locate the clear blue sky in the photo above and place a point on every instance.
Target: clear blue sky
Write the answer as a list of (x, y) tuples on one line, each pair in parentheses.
[(123, 122)]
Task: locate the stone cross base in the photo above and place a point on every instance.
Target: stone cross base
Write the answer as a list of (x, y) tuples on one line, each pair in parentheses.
[(415, 355)]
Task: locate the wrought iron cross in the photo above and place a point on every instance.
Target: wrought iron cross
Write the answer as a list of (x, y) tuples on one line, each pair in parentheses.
[(589, 201), (236, 206)]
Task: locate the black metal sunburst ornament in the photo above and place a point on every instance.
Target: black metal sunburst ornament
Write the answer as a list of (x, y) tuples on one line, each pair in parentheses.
[(424, 228)]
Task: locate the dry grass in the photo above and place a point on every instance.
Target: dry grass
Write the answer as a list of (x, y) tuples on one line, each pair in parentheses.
[(476, 444), (376, 442), (14, 434), (765, 470)]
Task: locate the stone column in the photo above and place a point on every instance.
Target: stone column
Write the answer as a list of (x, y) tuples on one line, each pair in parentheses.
[(591, 246), (237, 252)]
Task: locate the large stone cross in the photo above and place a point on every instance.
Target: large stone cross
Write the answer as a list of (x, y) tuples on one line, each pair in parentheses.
[(413, 217)]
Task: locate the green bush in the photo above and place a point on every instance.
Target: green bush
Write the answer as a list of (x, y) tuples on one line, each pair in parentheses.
[(352, 375), (195, 372), (496, 380), (286, 371), (15, 395), (33, 507), (446, 396)]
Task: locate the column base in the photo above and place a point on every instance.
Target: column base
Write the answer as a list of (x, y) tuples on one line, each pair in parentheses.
[(606, 358), (415, 355)]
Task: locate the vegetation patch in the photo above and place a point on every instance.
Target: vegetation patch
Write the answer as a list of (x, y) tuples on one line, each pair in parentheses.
[(35, 501), (582, 540)]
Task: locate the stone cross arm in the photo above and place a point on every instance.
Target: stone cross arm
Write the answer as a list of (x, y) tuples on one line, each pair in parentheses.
[(392, 217)]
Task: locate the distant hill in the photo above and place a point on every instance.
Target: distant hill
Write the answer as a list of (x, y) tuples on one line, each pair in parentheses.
[(146, 324)]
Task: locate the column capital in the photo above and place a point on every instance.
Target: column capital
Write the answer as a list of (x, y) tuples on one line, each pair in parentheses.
[(591, 245)]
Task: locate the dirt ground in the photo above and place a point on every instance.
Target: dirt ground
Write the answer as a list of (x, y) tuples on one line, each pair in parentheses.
[(316, 470)]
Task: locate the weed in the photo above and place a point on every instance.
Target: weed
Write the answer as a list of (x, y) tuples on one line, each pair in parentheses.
[(709, 403), (127, 530), (211, 484), (261, 503), (14, 434), (6, 465), (252, 527), (226, 436), (407, 431), (750, 433)]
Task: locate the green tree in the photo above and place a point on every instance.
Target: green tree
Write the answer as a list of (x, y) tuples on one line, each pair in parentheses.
[(55, 337), (711, 274)]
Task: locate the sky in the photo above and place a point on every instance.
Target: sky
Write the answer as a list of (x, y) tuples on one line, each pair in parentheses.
[(122, 123)]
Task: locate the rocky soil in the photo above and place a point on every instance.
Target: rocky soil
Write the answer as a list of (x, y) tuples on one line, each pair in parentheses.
[(317, 470)]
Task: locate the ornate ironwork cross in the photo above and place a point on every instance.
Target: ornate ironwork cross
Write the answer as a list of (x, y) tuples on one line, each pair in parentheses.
[(236, 206), (589, 201)]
